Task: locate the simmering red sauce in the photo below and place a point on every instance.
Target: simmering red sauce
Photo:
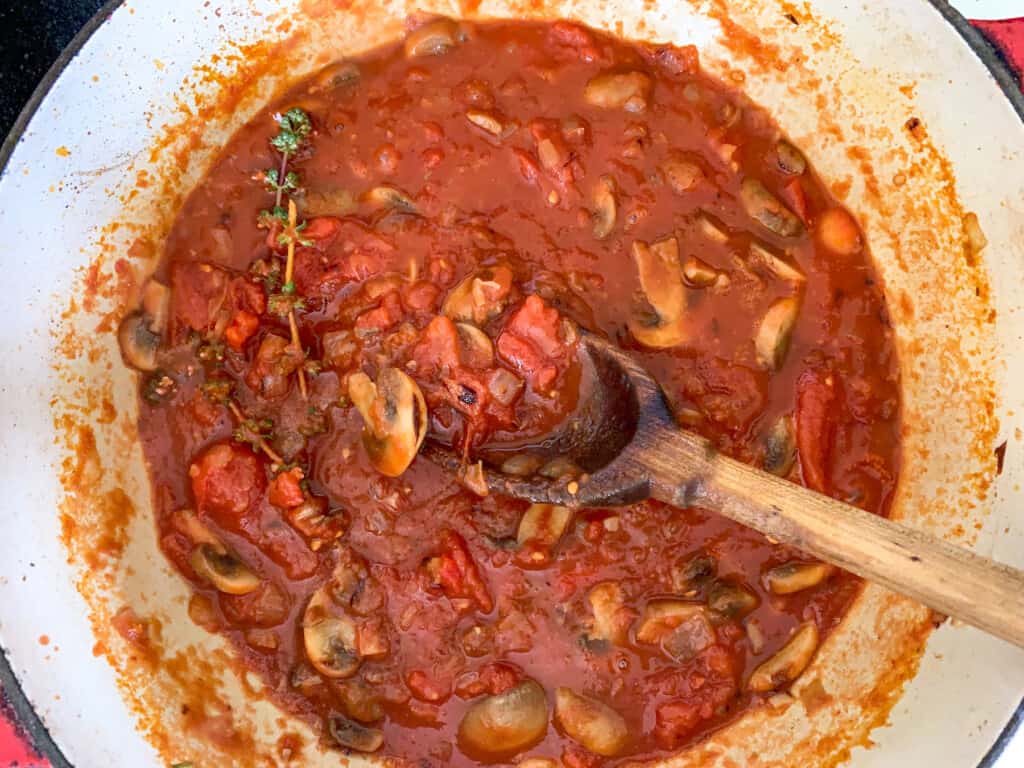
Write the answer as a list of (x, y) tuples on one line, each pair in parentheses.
[(463, 200)]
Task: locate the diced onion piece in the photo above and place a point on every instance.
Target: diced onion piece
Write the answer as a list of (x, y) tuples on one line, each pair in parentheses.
[(590, 722), (619, 90), (795, 577), (156, 303), (472, 478), (976, 240), (611, 619), (335, 75), (773, 334), (789, 663), (543, 523), (505, 387), (774, 265), (711, 230), (506, 723), (682, 175)]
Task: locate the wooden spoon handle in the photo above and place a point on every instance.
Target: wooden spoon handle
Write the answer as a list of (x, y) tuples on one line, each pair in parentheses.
[(945, 577)]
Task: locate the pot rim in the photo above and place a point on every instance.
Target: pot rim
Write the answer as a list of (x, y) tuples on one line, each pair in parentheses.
[(11, 691)]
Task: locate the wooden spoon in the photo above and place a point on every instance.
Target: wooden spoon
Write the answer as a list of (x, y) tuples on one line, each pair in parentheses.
[(629, 448)]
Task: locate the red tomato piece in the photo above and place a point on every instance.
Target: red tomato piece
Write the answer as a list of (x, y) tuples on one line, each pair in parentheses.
[(247, 295), (227, 481), (385, 316), (455, 571), (815, 426), (575, 756), (267, 606), (197, 292), (243, 326), (706, 685), (569, 40), (438, 347), (285, 489), (793, 194), (427, 688), (532, 343)]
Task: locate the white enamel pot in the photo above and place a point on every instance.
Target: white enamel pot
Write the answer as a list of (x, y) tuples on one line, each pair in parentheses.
[(898, 103)]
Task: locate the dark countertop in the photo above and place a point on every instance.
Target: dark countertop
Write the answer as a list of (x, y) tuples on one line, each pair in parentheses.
[(32, 35)]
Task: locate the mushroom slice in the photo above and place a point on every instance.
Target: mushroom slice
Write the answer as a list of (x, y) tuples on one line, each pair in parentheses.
[(604, 207), (476, 350), (795, 577), (630, 91), (591, 723), (789, 159), (711, 229), (658, 321), (387, 196), (352, 735), (507, 722), (730, 601), (773, 333), (394, 418), (335, 75), (480, 296), (767, 261), (662, 616), (433, 38), (766, 209), (329, 635), (780, 447), (522, 465), (543, 523), (223, 569), (138, 343), (486, 121), (211, 560), (611, 618), (156, 304), (699, 273), (786, 665), (693, 574)]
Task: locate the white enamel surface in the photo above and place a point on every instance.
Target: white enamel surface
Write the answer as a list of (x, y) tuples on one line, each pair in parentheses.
[(969, 685)]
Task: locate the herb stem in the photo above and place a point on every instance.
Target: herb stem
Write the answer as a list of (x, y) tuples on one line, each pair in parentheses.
[(264, 446), (280, 179), (289, 270)]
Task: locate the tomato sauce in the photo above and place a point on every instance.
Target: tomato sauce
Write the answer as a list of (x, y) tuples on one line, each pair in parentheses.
[(464, 200)]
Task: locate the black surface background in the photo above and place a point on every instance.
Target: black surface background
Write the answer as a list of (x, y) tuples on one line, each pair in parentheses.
[(32, 35)]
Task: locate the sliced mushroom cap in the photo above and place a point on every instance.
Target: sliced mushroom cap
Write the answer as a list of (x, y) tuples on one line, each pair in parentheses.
[(838, 232), (780, 447), (766, 209), (604, 207), (764, 260), (659, 322), (731, 601), (591, 723), (694, 573), (789, 159), (507, 722), (387, 196), (433, 38), (711, 229), (394, 417), (156, 303), (213, 561), (329, 635), (795, 577), (480, 296), (699, 273), (223, 569), (335, 75), (773, 334), (353, 735), (543, 523), (476, 350), (788, 664), (486, 121), (619, 90), (139, 344)]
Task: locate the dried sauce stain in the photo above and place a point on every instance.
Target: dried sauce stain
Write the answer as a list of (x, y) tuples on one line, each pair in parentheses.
[(98, 507)]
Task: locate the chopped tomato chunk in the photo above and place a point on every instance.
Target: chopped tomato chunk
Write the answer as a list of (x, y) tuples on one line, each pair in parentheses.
[(285, 489), (227, 481), (533, 343), (457, 574), (242, 327)]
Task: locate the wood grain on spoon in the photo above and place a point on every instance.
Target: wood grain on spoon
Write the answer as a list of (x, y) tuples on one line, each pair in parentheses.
[(626, 442)]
